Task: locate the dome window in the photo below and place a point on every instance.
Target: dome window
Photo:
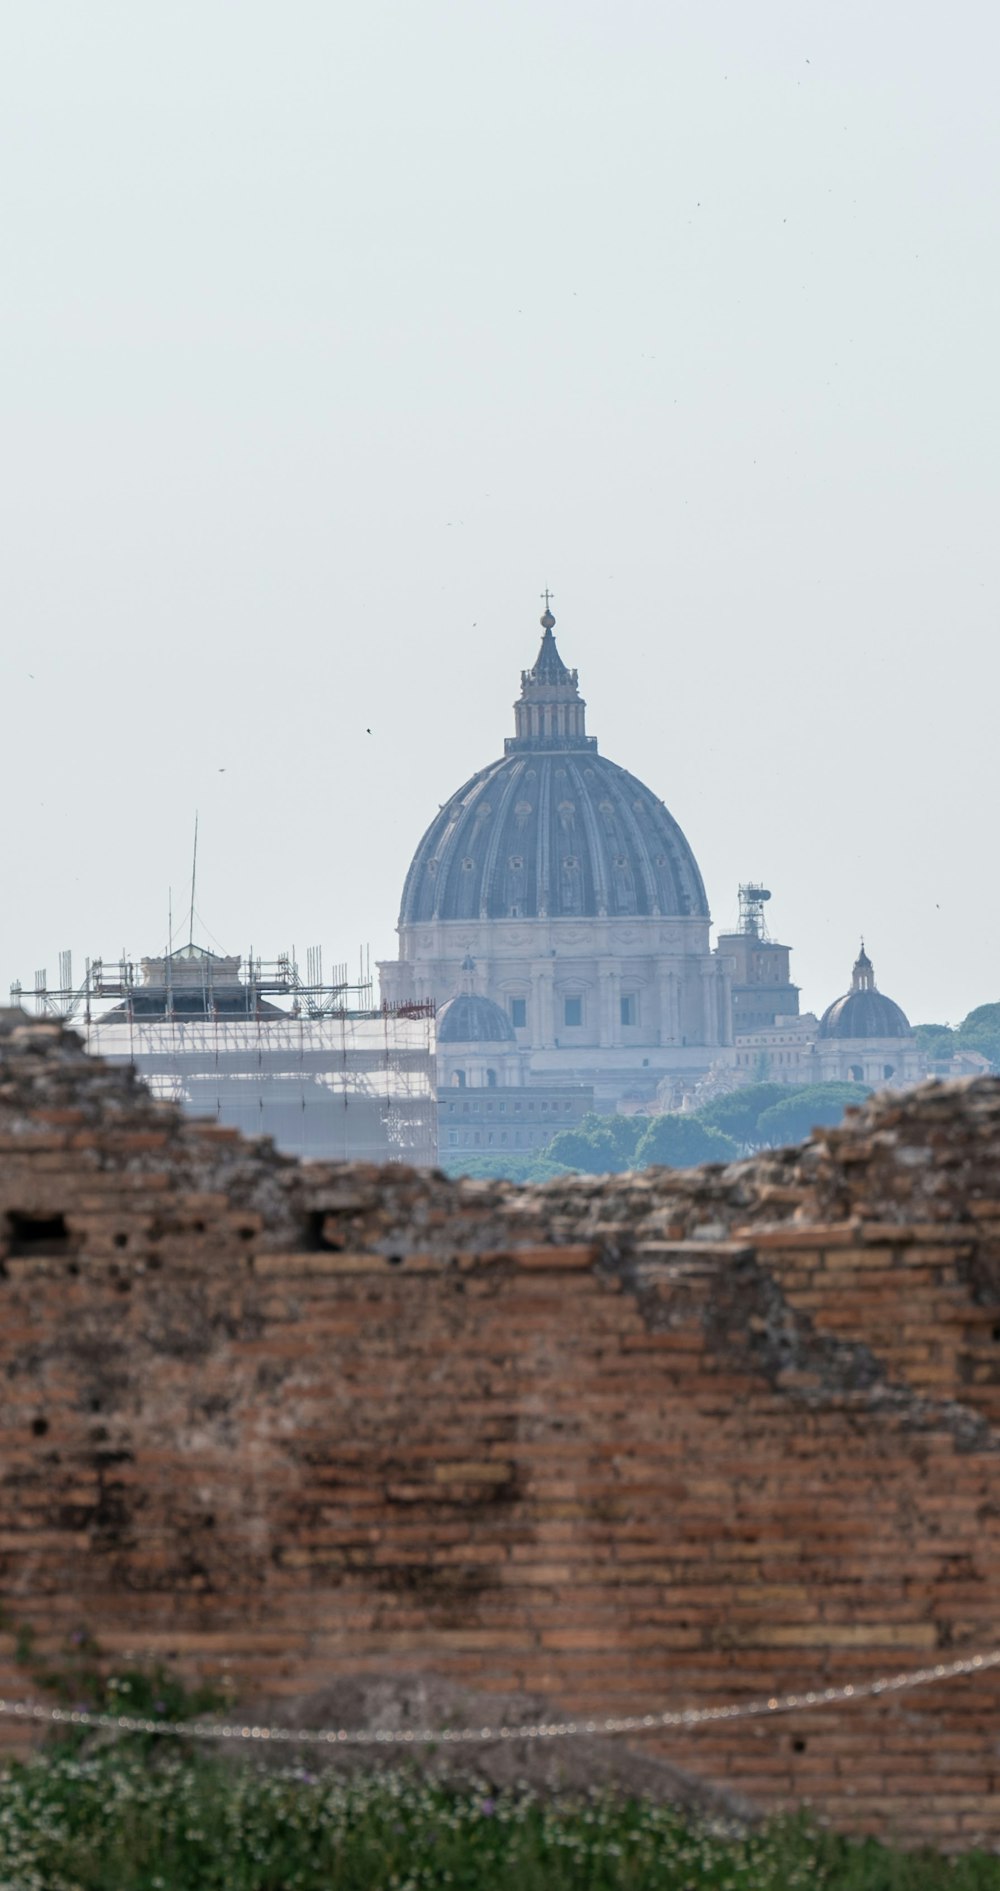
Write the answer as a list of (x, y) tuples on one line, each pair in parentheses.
[(468, 866)]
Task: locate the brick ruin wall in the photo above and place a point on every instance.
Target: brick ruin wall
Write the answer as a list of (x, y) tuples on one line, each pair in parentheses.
[(665, 1439)]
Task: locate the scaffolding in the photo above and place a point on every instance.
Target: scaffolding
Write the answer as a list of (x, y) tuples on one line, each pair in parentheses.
[(216, 980), (313, 1064)]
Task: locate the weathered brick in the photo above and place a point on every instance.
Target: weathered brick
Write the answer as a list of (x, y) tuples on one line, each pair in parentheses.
[(543, 1440)]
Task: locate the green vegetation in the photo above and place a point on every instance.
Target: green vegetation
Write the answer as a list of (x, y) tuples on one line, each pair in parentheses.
[(514, 1167), (599, 1145), (79, 1676), (935, 1040), (680, 1141), (760, 1116), (980, 1031), (800, 1111), (738, 1113), (116, 1821)]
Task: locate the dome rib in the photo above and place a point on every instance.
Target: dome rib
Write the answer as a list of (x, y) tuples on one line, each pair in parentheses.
[(455, 883), (639, 844), (597, 865), (490, 892), (543, 903)]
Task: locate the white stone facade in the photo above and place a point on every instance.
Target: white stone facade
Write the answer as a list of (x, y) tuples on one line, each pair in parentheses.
[(650, 998)]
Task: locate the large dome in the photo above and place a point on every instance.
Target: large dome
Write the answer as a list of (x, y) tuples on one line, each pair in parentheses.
[(554, 830), (864, 1011)]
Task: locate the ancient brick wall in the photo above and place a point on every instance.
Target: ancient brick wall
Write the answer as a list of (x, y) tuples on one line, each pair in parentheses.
[(667, 1439)]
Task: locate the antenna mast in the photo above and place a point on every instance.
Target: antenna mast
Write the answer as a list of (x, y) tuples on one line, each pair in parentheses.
[(194, 875)]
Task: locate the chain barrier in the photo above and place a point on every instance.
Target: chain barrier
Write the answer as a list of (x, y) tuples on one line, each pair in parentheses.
[(482, 1736)]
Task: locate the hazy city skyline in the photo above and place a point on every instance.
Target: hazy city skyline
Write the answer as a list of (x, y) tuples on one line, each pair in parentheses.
[(332, 338)]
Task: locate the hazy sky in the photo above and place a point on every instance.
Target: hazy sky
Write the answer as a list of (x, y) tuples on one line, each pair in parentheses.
[(333, 333)]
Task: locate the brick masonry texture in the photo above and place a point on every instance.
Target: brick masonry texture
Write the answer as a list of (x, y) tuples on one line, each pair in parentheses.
[(669, 1439)]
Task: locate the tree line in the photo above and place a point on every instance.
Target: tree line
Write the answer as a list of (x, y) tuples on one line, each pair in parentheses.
[(760, 1116)]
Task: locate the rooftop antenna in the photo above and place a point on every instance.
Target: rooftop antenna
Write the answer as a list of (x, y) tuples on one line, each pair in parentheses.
[(753, 898), (194, 875), (167, 966)]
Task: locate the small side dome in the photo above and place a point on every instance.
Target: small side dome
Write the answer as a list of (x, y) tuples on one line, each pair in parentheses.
[(472, 1019), (864, 1011)]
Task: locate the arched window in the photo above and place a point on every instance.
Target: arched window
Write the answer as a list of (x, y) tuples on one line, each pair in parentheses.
[(888, 1070), (857, 1073), (491, 1080), (458, 1079)]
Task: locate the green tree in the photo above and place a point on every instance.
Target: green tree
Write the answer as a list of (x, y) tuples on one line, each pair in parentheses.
[(801, 1111), (673, 1141), (737, 1113), (980, 1031), (519, 1166), (597, 1145), (935, 1040)]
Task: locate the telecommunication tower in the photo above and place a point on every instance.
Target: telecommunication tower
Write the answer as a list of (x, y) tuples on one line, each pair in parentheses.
[(753, 898)]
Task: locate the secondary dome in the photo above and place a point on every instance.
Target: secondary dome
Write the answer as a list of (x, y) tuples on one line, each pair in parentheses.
[(553, 830), (472, 1019), (864, 1011)]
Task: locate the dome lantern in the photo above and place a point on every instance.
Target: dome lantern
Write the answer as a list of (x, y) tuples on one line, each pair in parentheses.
[(550, 712), (863, 973)]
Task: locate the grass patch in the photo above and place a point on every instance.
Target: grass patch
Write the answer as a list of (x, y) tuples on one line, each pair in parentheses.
[(122, 1820)]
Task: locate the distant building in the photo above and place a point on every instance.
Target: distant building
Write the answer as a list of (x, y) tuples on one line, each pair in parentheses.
[(581, 902), (517, 1121), (759, 969), (264, 1051), (862, 1037), (865, 1037), (487, 1103)]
